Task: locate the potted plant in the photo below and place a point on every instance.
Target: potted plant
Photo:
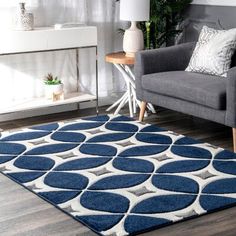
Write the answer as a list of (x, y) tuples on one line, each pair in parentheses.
[(53, 87)]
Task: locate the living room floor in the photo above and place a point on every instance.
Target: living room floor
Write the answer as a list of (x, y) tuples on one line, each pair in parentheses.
[(24, 214)]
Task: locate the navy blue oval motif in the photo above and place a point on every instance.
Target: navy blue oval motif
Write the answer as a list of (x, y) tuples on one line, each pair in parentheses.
[(25, 136), (66, 180), (136, 224), (102, 201), (133, 165), (122, 118), (191, 152), (25, 177), (183, 166), (81, 126), (144, 151), (58, 197), (100, 222), (151, 128), (34, 163), (113, 137), (225, 155), (119, 181), (12, 148), (51, 148), (154, 138), (211, 202), (123, 127), (186, 141), (221, 186), (70, 137), (98, 118), (81, 164), (48, 127), (5, 158), (165, 203), (98, 149), (228, 167), (175, 183)]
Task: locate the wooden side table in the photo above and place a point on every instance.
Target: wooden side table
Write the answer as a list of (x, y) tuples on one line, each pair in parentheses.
[(123, 64)]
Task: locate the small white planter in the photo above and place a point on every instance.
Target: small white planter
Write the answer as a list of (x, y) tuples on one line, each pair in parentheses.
[(53, 90)]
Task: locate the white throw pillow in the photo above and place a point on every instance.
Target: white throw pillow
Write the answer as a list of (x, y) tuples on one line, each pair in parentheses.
[(213, 52)]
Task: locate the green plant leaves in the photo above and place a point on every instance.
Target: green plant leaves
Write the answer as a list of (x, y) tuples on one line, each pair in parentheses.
[(51, 80)]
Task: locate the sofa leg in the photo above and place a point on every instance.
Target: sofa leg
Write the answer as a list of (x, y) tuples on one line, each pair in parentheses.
[(234, 139), (142, 111)]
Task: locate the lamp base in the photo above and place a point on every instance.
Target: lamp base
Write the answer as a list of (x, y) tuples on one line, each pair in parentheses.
[(133, 40)]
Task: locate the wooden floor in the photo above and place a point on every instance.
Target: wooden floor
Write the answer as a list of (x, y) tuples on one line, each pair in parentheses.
[(24, 214)]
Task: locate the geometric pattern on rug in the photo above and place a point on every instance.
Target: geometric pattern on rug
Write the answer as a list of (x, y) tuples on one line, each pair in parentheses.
[(118, 176)]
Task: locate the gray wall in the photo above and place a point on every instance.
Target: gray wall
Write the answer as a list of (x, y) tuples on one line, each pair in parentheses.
[(219, 17)]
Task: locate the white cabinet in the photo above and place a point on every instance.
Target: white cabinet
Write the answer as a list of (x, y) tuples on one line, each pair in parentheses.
[(49, 39)]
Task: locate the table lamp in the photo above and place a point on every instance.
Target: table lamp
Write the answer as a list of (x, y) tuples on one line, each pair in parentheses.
[(134, 10)]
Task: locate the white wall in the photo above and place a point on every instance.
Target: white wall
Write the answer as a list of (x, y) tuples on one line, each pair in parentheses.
[(28, 70), (215, 2)]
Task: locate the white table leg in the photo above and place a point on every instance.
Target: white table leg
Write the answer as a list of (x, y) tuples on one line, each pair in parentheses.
[(135, 101), (132, 81), (129, 85), (130, 100), (130, 72), (121, 105), (134, 105), (116, 103), (151, 108), (130, 95)]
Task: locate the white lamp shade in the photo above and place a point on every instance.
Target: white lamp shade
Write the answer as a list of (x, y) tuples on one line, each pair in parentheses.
[(135, 10)]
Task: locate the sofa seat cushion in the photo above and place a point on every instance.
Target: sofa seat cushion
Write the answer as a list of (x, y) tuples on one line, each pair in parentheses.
[(203, 89)]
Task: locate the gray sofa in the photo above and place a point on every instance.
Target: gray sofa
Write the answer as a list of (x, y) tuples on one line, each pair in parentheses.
[(161, 80)]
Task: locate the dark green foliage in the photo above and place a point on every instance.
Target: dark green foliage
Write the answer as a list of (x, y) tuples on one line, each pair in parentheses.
[(166, 17)]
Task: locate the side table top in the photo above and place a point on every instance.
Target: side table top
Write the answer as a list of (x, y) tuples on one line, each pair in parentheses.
[(119, 58)]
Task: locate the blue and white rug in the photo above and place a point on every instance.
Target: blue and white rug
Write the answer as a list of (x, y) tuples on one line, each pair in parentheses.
[(118, 176)]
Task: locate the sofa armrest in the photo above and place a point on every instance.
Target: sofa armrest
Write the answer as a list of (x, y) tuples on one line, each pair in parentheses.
[(159, 60), (163, 59), (230, 118)]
